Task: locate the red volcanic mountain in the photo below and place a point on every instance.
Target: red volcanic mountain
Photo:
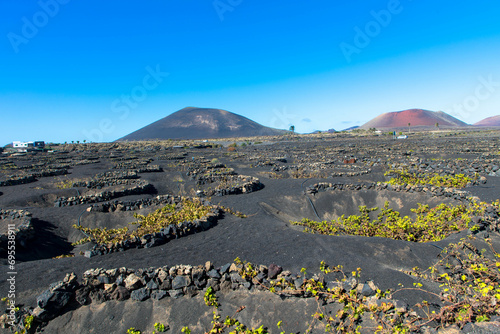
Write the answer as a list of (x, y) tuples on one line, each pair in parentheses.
[(490, 121), (416, 117), (199, 123)]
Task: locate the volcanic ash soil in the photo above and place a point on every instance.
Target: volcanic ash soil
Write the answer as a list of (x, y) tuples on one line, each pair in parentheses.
[(283, 179)]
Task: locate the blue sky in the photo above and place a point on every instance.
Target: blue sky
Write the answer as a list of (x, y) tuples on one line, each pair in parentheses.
[(98, 70)]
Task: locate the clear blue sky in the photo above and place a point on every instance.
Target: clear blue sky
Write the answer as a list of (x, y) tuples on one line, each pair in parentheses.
[(75, 70)]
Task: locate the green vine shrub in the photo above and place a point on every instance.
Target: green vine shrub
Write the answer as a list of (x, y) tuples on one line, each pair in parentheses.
[(468, 277), (187, 210), (470, 284), (429, 225), (404, 177)]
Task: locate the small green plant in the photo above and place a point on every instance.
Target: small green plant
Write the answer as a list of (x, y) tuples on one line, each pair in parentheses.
[(219, 326), (133, 331), (233, 212), (159, 328), (102, 236), (62, 256), (28, 322), (210, 298), (246, 269), (67, 184), (279, 324)]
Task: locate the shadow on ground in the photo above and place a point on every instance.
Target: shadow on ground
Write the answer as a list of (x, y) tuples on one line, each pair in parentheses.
[(46, 244)]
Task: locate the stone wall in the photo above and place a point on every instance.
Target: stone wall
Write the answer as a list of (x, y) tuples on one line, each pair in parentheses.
[(457, 194), (140, 187), (23, 230)]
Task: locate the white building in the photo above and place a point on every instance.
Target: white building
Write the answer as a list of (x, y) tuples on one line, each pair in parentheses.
[(21, 144), (28, 145)]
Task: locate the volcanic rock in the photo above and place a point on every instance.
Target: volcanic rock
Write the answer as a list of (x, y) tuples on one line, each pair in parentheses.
[(490, 121), (416, 117), (198, 123)]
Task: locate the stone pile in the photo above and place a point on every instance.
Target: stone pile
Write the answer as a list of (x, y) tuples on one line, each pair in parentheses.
[(117, 175), (264, 163), (50, 304), (85, 161), (117, 205), (457, 194), (233, 185), (176, 281), (488, 222), (17, 179), (23, 229), (27, 173), (468, 167), (140, 187), (210, 174), (172, 156), (278, 168), (350, 174), (134, 164), (108, 179), (139, 167), (120, 284), (228, 181), (324, 167), (148, 169), (31, 176), (32, 166), (49, 172)]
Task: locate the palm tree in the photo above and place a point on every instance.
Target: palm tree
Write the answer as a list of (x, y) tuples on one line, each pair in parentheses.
[(437, 125), (409, 124), (292, 128)]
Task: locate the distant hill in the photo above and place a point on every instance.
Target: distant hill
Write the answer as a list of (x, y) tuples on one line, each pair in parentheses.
[(327, 131), (351, 128), (416, 117), (490, 121), (199, 123)]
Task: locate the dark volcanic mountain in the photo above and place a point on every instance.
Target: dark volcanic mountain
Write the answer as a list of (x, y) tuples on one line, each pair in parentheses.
[(351, 128), (490, 121), (198, 123), (416, 117)]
